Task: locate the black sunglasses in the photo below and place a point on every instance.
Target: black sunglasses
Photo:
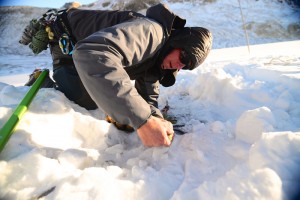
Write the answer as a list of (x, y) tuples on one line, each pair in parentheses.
[(184, 58)]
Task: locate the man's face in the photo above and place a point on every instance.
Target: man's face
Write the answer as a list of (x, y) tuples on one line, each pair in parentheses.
[(172, 60)]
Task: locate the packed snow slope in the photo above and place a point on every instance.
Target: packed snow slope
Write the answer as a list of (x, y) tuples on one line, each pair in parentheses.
[(241, 112)]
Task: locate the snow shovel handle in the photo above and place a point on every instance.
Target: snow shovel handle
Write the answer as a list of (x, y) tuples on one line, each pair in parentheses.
[(8, 128)]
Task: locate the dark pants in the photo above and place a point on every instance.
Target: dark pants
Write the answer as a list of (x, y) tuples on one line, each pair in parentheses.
[(69, 83)]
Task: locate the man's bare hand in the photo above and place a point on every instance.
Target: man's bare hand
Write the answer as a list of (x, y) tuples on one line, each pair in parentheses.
[(155, 132)]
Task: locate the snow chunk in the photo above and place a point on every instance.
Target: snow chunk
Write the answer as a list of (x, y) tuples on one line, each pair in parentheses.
[(217, 127), (253, 123), (75, 158), (10, 95), (279, 151)]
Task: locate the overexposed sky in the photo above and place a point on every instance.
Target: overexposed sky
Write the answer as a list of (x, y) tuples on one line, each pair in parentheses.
[(41, 3)]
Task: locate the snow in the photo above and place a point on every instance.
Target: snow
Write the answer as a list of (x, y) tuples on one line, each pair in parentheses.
[(241, 113)]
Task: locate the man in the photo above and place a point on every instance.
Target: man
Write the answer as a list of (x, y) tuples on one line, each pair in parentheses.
[(114, 47)]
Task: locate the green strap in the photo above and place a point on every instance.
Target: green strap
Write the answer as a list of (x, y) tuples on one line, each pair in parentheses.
[(8, 128)]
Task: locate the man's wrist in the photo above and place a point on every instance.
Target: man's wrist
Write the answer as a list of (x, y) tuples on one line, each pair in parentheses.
[(144, 122)]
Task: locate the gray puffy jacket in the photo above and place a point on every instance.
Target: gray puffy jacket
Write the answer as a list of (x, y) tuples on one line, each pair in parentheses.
[(115, 47)]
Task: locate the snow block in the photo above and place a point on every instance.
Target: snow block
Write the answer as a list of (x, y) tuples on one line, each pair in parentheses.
[(252, 123)]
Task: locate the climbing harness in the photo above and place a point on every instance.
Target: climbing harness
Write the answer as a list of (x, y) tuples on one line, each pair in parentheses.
[(58, 29)]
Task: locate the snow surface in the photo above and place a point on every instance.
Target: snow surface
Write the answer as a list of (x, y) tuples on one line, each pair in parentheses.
[(241, 113)]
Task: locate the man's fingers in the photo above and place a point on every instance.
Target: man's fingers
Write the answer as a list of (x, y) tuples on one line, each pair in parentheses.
[(169, 138), (156, 132), (168, 125), (170, 133)]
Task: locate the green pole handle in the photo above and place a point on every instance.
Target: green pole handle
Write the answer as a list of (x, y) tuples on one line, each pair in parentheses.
[(8, 128)]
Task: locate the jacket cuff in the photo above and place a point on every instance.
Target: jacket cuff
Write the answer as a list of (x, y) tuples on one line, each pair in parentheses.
[(144, 122), (156, 112)]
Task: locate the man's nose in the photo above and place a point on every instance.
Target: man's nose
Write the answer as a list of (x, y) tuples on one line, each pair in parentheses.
[(179, 65)]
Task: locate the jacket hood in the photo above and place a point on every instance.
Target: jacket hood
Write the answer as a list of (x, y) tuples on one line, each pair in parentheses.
[(195, 41), (163, 15)]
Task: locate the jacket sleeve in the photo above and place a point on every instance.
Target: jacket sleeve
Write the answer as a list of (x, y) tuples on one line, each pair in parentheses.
[(100, 60), (149, 90)]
